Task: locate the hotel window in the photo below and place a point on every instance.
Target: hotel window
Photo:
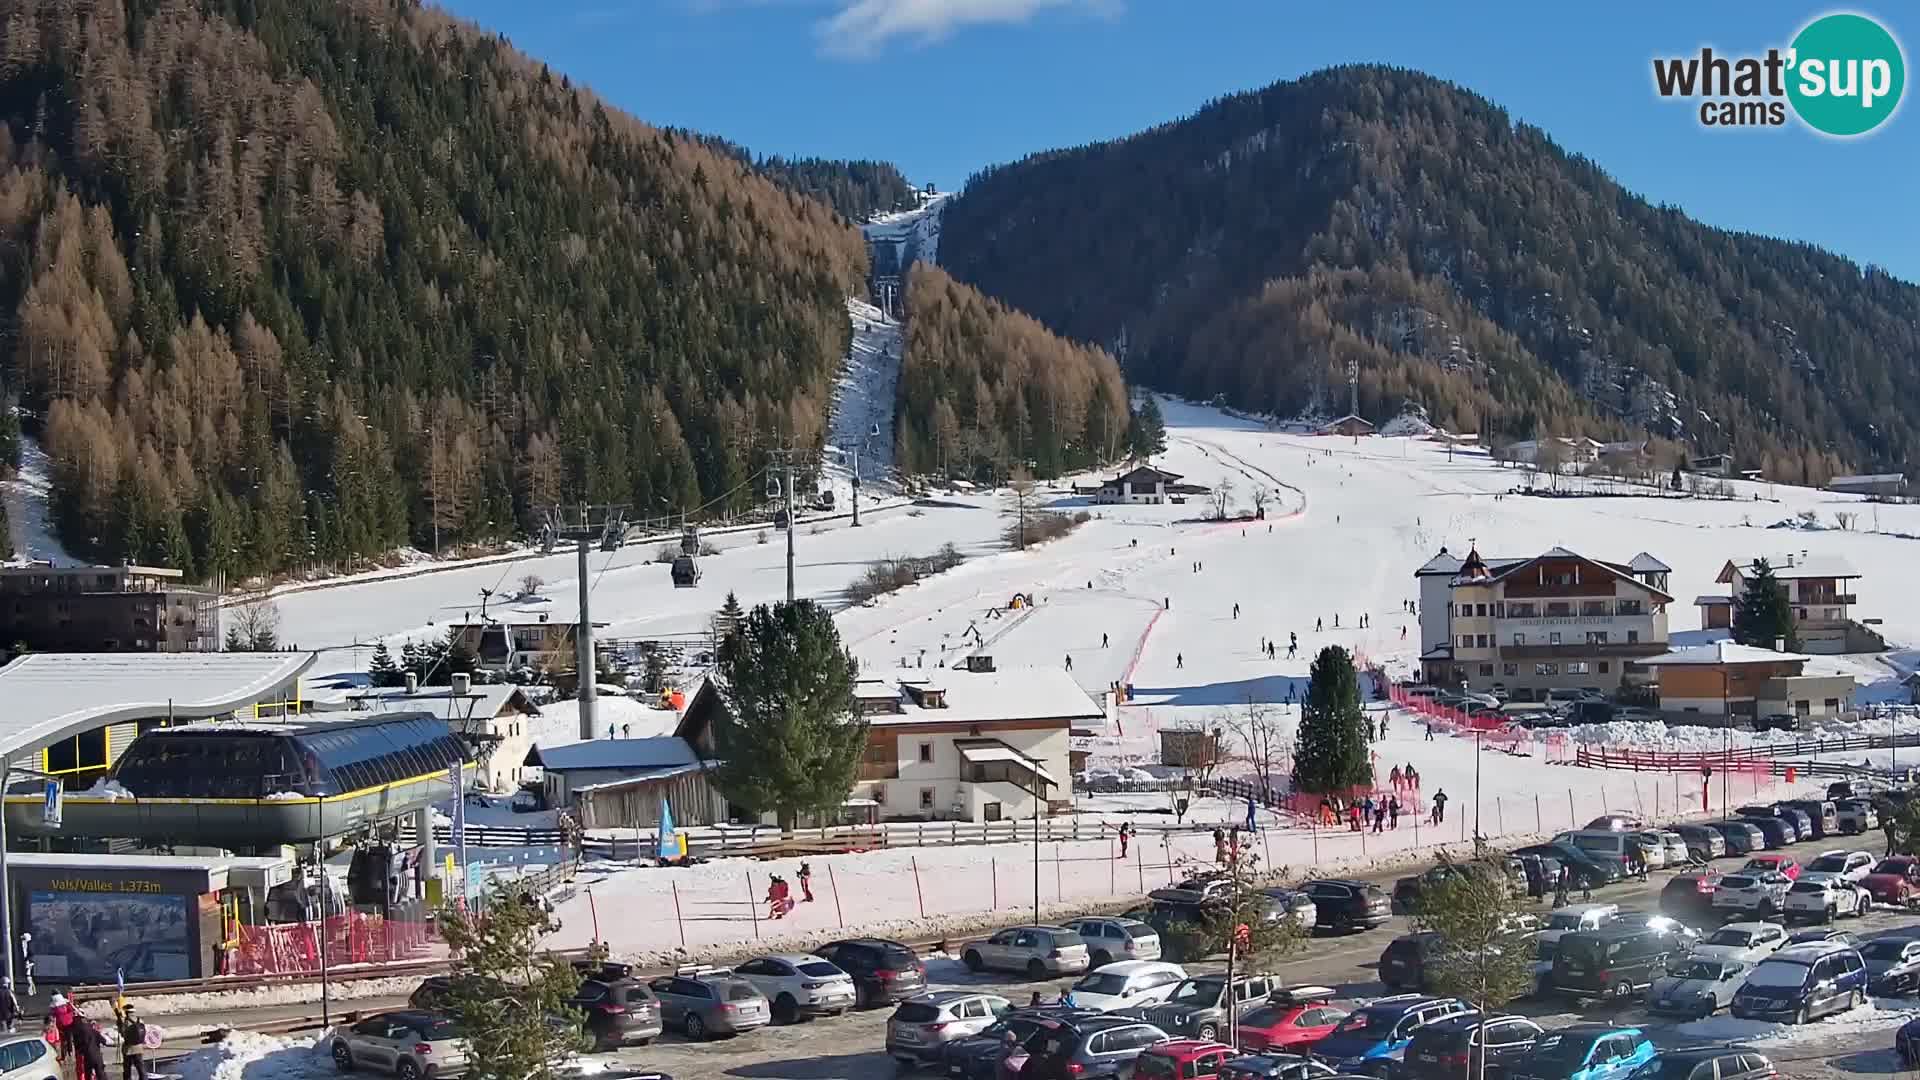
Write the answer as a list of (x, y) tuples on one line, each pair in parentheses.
[(1519, 639), (1518, 610), (1510, 670), (1486, 670), (1593, 607), (1833, 704), (1499, 609), (1479, 641), (1800, 613), (1546, 669), (1633, 637), (1553, 638), (926, 751), (1466, 641), (1559, 609), (926, 798), (1576, 667), (1596, 637), (1604, 665), (1629, 607), (1480, 610)]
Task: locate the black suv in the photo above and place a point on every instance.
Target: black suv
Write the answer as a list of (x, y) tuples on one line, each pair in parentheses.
[(978, 1057), (1442, 1049), (883, 971), (617, 1011), (1708, 1063), (1403, 966), (1349, 905), (1617, 961)]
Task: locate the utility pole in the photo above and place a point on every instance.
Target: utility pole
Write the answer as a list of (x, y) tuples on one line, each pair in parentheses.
[(605, 526), (433, 484), (783, 457), (864, 444)]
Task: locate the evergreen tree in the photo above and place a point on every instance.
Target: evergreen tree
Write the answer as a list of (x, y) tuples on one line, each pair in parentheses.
[(1484, 955), (1331, 749), (505, 992), (1762, 613), (383, 670), (727, 619), (411, 661), (9, 433), (454, 659), (6, 534), (1210, 930), (788, 739), (1147, 431)]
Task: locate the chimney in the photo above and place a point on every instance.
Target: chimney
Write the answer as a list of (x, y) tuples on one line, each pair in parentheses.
[(462, 684), (1779, 644), (413, 683)]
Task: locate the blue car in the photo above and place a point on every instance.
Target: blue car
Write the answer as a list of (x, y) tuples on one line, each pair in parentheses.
[(1803, 982), (1586, 1052), (1375, 1036)]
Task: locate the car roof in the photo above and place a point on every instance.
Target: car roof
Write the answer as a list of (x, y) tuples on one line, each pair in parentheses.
[(947, 997), (1135, 967), (795, 958), (1582, 909), (1174, 1047), (870, 942), (1705, 1053), (1811, 950), (1750, 924), (1351, 882), (1590, 1029)]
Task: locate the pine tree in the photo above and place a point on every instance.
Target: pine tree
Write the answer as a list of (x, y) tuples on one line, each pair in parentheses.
[(1484, 954), (383, 670), (1330, 752), (727, 619), (412, 662), (1762, 614), (788, 739), (1147, 433), (505, 990)]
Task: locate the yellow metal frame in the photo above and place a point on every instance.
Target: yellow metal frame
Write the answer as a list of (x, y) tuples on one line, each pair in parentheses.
[(36, 800)]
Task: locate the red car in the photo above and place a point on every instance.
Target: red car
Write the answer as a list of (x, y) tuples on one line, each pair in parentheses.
[(1288, 1026), (1784, 864), (1895, 880), (1181, 1059)]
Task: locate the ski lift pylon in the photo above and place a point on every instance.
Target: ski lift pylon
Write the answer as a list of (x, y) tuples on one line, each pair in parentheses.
[(690, 540)]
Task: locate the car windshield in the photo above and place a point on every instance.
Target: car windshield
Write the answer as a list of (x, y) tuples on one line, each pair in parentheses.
[(1778, 974), (896, 958), (1831, 864), (1564, 921), (1197, 992), (1358, 1021), (441, 1029), (1141, 930), (741, 991), (917, 1012), (1884, 949), (1727, 935), (1562, 1053), (1111, 985), (1804, 887), (1737, 881), (1264, 1017), (819, 968), (1893, 866), (1695, 969)]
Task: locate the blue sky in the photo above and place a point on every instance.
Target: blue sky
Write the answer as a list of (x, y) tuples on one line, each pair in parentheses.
[(943, 87)]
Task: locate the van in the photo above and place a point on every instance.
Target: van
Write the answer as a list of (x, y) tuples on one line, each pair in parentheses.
[(1604, 843), (1588, 711), (1616, 961), (1559, 699), (1803, 982), (1822, 813)]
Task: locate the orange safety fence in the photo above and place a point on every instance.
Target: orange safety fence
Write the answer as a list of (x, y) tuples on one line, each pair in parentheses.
[(356, 938)]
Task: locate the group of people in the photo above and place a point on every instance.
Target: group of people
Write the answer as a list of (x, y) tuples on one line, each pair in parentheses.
[(1404, 779), (780, 900), (75, 1036)]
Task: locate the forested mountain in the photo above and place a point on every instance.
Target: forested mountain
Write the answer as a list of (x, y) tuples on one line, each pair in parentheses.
[(1464, 261), (288, 282), (856, 189), (984, 389)]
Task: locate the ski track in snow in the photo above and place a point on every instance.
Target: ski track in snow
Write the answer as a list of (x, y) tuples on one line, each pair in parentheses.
[(26, 499)]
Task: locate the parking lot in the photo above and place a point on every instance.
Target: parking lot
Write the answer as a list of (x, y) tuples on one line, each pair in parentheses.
[(850, 1046)]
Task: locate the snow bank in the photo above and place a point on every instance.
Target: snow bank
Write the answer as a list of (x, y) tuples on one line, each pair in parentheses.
[(292, 993), (1877, 1014), (246, 1055)]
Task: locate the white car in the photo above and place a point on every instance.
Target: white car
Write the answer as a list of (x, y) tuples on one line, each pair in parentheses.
[(1653, 847), (1110, 939), (1849, 866), (1126, 982), (1565, 920), (1697, 986), (799, 984), (1823, 896), (1741, 942), (1762, 892)]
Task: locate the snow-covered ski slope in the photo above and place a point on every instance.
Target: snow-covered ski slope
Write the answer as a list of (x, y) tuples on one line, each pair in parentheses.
[(26, 501), (863, 403), (914, 234)]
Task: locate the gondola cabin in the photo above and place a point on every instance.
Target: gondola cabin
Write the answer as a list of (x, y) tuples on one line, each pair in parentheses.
[(690, 541), (686, 572)]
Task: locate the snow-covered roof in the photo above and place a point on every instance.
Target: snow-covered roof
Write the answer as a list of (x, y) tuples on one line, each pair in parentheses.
[(481, 702), (660, 752), (1720, 652), (1501, 568), (1790, 567), (995, 750), (1644, 563), (1711, 601), (53, 696), (1871, 478), (977, 697)]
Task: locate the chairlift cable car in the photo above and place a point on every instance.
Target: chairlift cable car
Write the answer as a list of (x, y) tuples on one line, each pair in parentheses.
[(686, 572)]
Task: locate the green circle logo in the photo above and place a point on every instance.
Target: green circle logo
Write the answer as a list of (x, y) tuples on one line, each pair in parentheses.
[(1847, 74)]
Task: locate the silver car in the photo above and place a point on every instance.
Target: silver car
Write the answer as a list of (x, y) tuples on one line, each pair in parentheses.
[(1039, 951), (922, 1026), (1113, 939), (702, 1001), (411, 1044), (1697, 986)]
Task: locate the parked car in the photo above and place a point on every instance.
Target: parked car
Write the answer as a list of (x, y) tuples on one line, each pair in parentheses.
[(978, 1056), (1821, 935), (883, 971), (1113, 938), (1756, 894), (1571, 919), (1296, 905), (1821, 814), (1703, 843), (1777, 832), (1818, 897), (1198, 1006), (1403, 964), (1708, 1063), (617, 1012), (1676, 848), (1098, 1048), (1182, 1059), (1447, 1049), (1906, 1042), (1125, 983), (1615, 961), (799, 984), (1199, 889), (1689, 894), (1850, 866), (1652, 846), (1803, 983), (1617, 822), (1587, 1052), (700, 1001), (1345, 904), (1038, 951), (1696, 986), (1373, 1035), (922, 1026), (1893, 965), (1855, 816), (1763, 811), (1743, 942), (1588, 872), (1779, 864), (1802, 821), (1894, 880), (1278, 1067), (1292, 1021), (1741, 837), (1407, 890), (412, 1044)]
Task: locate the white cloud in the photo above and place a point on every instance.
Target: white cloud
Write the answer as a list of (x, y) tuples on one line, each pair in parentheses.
[(863, 27)]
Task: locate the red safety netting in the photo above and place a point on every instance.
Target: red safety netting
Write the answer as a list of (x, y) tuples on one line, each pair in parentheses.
[(357, 938)]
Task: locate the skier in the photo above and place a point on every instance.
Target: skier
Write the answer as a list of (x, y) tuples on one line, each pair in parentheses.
[(133, 1042), (1236, 611), (1069, 661), (88, 1060), (1353, 818), (9, 1006), (1562, 884), (1336, 622), (1103, 641), (1380, 818), (777, 897), (1366, 813), (1440, 806), (1383, 726), (1394, 808), (1429, 724), (806, 882), (1393, 778), (1317, 626), (1220, 846), (1179, 660), (1251, 825), (1403, 633), (1126, 837)]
